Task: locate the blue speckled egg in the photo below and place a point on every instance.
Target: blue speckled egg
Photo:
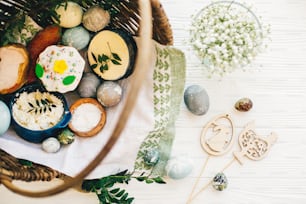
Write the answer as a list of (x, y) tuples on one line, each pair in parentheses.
[(179, 167), (196, 100), (77, 37), (5, 118)]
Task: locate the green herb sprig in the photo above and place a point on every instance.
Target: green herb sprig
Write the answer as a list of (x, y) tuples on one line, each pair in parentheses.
[(108, 194), (103, 60), (41, 106)]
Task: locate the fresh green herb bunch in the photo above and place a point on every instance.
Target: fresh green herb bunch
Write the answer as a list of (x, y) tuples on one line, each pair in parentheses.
[(108, 194)]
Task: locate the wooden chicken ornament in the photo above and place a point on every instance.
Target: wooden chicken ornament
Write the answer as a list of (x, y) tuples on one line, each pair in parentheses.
[(252, 145)]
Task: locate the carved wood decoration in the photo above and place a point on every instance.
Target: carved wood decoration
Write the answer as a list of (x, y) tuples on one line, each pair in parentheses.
[(217, 137), (252, 145)]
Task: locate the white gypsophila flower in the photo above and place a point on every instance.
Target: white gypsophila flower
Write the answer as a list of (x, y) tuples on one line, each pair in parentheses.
[(226, 36)]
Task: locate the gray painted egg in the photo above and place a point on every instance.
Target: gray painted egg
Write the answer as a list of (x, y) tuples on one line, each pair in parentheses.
[(109, 93), (196, 100), (88, 85)]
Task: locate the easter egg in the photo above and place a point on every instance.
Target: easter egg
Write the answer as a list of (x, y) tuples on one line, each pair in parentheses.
[(109, 93), (77, 37), (70, 14), (51, 145), (5, 118), (220, 182), (196, 100), (179, 167), (88, 85), (95, 18), (151, 157), (66, 137)]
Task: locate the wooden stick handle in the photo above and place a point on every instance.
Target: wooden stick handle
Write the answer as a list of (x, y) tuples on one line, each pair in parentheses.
[(143, 57)]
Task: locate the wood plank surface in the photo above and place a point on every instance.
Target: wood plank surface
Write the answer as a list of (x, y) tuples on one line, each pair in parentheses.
[(277, 85)]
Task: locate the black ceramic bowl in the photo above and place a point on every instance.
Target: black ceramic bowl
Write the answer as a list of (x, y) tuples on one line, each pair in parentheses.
[(37, 136)]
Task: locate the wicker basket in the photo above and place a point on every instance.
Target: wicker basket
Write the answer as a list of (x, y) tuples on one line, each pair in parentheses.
[(141, 18)]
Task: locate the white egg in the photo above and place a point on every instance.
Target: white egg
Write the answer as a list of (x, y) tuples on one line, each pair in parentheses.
[(5, 118), (51, 145)]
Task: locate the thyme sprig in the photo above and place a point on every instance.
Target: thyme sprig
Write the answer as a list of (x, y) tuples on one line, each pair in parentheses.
[(103, 60), (106, 191)]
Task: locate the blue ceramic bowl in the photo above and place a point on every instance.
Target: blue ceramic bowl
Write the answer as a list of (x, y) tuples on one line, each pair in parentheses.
[(38, 136)]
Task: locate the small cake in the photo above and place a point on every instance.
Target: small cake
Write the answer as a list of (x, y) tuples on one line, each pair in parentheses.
[(111, 54), (14, 63), (88, 117), (60, 68), (70, 14)]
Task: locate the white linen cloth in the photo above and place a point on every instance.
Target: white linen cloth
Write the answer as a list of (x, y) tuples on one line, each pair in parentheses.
[(71, 159)]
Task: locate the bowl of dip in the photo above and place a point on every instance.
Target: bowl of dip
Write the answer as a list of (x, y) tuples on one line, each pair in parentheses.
[(38, 114)]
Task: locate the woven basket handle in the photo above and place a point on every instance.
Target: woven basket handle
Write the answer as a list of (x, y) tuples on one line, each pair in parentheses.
[(143, 58)]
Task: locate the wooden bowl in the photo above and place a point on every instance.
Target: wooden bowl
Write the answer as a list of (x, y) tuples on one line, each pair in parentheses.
[(95, 130)]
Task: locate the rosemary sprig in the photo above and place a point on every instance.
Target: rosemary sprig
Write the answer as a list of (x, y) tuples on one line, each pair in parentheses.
[(41, 106), (108, 194)]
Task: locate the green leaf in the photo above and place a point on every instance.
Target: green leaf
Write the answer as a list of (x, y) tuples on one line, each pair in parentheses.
[(120, 193), (149, 181), (103, 58), (114, 191), (124, 197), (159, 180), (68, 80), (94, 57), (115, 62), (116, 56), (130, 200), (25, 162), (39, 71), (93, 66), (141, 178), (103, 67)]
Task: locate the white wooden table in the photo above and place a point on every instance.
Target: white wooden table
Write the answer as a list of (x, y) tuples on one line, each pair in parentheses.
[(277, 86)]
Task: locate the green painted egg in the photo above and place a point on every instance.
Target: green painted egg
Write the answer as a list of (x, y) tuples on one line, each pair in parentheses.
[(66, 137), (77, 37)]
